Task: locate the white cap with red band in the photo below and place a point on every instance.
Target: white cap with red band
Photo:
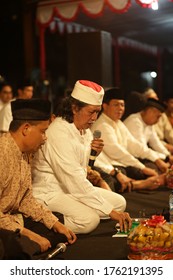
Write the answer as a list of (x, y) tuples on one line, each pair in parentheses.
[(88, 92)]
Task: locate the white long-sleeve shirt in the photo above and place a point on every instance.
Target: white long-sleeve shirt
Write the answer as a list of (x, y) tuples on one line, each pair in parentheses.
[(145, 134), (5, 117), (60, 166), (120, 147), (164, 129), (1, 104)]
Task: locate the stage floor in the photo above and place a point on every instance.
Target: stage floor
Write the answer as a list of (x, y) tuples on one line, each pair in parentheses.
[(100, 245)]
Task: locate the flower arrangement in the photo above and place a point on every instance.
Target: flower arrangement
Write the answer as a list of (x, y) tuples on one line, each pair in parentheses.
[(152, 239)]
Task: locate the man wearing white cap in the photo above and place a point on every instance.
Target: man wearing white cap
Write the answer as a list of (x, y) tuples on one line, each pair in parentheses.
[(60, 167)]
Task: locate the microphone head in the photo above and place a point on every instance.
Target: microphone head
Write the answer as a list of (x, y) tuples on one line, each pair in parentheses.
[(62, 246), (97, 134)]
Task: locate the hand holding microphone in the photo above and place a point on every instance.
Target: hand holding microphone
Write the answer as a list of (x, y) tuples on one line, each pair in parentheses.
[(96, 147)]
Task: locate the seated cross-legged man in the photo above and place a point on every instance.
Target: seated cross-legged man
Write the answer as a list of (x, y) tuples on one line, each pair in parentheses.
[(121, 150), (92, 175), (141, 126), (164, 126), (19, 210), (59, 168)]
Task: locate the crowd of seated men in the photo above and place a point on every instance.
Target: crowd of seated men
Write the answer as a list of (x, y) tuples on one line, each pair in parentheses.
[(56, 196)]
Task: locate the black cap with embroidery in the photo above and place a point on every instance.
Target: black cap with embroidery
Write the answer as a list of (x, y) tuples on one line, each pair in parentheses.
[(31, 109), (113, 93), (152, 102)]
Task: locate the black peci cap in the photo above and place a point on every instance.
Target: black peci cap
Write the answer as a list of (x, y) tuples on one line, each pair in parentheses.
[(113, 93), (31, 109), (152, 102)]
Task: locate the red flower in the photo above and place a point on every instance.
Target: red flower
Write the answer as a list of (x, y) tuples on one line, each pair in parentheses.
[(155, 220)]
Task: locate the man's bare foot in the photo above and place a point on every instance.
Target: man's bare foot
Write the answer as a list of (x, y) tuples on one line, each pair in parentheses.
[(151, 183)]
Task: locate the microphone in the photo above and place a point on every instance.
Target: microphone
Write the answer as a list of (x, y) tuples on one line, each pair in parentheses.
[(92, 157), (60, 247)]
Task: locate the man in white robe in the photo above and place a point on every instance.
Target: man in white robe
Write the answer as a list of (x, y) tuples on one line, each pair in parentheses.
[(141, 126), (60, 168), (121, 150), (163, 127)]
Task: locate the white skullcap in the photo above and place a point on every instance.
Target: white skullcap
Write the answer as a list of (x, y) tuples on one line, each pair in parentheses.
[(88, 92)]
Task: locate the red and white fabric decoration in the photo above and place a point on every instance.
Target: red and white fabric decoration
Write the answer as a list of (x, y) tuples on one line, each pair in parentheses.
[(146, 3), (68, 10)]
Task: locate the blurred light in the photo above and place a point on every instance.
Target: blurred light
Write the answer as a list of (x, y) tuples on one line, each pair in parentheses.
[(2, 79), (155, 5), (153, 74), (46, 82)]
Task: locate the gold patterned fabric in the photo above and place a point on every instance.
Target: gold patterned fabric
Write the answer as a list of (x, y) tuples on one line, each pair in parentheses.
[(16, 189)]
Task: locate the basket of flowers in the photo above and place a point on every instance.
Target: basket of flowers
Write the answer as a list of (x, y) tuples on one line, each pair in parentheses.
[(152, 239)]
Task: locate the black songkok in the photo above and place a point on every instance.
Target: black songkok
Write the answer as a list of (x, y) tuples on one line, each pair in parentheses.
[(112, 93), (31, 109), (152, 102)]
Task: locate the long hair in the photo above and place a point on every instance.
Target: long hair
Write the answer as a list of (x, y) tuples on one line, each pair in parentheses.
[(65, 108)]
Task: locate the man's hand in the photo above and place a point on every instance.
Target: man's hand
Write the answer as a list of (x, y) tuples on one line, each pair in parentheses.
[(171, 159), (95, 178), (169, 147), (42, 241), (97, 145), (163, 166), (126, 182), (123, 218), (59, 227)]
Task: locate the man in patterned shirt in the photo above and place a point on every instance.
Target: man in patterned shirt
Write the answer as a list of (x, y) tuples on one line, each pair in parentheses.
[(19, 210)]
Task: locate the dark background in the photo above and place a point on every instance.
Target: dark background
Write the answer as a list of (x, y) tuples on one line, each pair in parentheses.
[(11, 45), (66, 60)]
